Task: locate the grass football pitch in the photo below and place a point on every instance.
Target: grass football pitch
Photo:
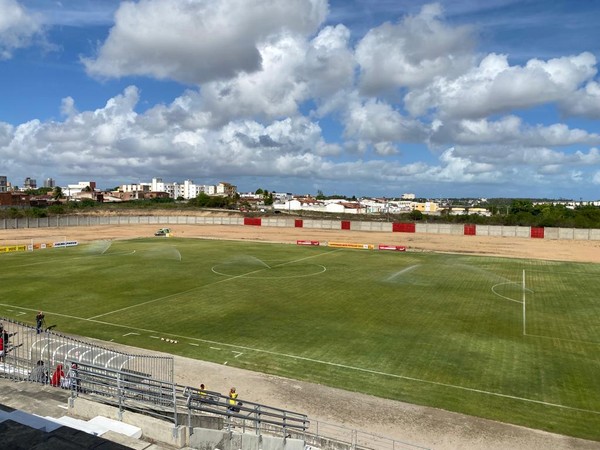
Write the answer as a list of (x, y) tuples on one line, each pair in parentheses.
[(511, 340)]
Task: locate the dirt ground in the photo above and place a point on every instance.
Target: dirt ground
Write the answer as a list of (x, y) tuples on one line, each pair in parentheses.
[(424, 426)]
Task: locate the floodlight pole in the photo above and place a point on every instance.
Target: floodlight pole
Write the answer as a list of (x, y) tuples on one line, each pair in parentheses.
[(524, 309)]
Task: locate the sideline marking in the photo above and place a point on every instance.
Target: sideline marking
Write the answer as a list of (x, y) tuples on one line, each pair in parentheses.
[(329, 363), (202, 287)]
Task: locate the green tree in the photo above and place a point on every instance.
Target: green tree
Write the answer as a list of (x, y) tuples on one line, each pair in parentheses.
[(268, 199), (416, 215), (57, 194), (521, 205)]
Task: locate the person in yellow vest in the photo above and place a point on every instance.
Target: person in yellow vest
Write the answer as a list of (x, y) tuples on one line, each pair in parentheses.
[(202, 393), (233, 395)]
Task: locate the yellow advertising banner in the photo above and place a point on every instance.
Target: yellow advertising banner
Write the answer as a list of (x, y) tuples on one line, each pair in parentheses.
[(350, 245), (13, 248)]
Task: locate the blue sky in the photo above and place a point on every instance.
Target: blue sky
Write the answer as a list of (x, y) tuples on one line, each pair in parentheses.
[(356, 97)]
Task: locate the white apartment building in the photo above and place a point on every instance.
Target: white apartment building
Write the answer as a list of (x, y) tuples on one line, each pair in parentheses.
[(73, 190), (139, 187), (189, 189)]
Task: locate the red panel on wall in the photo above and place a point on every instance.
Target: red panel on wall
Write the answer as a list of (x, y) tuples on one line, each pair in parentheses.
[(256, 221), (298, 223), (401, 227), (537, 232), (470, 230), (345, 224)]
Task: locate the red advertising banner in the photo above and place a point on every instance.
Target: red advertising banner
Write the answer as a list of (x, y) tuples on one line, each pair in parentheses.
[(403, 227), (298, 223), (396, 248), (256, 221), (307, 243), (537, 232), (345, 224), (470, 230)]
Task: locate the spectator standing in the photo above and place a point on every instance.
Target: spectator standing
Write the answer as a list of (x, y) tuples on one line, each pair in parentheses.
[(39, 321), (233, 395)]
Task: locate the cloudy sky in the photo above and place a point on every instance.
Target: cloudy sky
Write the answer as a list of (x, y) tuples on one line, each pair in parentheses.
[(357, 97)]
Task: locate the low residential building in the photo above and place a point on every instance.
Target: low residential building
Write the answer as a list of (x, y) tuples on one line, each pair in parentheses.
[(426, 207), (461, 210), (14, 199), (336, 206), (73, 191)]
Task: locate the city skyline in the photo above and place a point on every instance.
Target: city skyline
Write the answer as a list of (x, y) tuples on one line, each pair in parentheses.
[(359, 97)]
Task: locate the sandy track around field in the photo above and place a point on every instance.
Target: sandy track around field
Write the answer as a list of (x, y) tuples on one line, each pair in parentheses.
[(559, 250), (428, 427)]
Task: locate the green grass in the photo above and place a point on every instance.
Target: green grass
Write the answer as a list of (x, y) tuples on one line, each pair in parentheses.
[(431, 329)]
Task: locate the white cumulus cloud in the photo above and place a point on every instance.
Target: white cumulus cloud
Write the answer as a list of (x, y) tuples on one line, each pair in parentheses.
[(494, 86), (195, 41), (413, 52), (17, 27)]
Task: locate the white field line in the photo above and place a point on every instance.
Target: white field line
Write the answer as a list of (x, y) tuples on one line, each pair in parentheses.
[(577, 341), (504, 297), (204, 286), (329, 363), (273, 278)]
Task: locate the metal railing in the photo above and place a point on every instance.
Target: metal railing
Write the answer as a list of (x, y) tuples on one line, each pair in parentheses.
[(326, 435), (125, 389), (30, 353), (145, 384), (249, 416)]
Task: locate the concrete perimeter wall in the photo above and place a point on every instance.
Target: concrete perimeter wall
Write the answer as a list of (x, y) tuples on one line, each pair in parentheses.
[(61, 222)]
